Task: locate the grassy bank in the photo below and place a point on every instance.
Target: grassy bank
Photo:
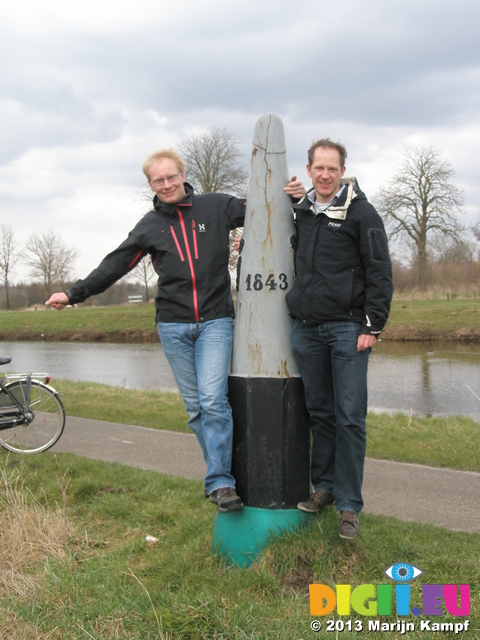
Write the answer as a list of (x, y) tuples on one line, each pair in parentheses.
[(454, 319), (125, 323), (76, 563)]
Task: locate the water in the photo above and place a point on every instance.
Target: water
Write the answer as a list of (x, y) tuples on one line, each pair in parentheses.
[(432, 378), (134, 366), (436, 379)]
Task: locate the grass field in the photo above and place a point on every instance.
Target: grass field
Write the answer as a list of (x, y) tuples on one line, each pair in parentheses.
[(76, 563), (454, 319)]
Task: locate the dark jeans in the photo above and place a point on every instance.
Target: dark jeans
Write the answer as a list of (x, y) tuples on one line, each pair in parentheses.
[(334, 375)]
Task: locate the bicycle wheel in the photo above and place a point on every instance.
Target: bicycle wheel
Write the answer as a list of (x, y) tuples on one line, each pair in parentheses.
[(47, 419)]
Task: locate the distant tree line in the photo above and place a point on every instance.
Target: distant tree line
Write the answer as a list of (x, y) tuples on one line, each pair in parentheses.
[(30, 295), (51, 263)]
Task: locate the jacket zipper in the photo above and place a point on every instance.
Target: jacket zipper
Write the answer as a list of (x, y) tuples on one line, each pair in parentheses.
[(179, 248), (135, 260), (195, 239), (190, 263)]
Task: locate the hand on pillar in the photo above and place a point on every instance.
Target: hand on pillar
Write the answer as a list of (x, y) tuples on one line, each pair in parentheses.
[(295, 188)]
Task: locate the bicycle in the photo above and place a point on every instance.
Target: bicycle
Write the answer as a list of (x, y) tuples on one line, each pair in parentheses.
[(32, 416)]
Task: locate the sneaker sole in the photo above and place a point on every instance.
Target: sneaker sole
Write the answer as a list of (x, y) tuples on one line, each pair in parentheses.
[(232, 507), (307, 510), (348, 537)]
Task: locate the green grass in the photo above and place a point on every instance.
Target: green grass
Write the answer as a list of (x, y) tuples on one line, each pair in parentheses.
[(452, 442), (436, 317), (146, 408), (96, 322), (109, 582), (409, 319)]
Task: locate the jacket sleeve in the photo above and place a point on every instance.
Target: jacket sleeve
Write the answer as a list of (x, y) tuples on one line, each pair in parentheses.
[(113, 267), (236, 212), (378, 272)]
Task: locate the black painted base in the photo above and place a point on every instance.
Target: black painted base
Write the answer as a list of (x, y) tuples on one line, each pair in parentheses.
[(271, 443)]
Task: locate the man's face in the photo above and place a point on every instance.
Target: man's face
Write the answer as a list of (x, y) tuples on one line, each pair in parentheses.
[(326, 173), (166, 180)]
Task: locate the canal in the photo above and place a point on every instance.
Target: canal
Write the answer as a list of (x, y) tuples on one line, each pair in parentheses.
[(425, 378)]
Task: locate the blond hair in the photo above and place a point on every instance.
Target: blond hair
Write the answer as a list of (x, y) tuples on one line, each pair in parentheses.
[(160, 155)]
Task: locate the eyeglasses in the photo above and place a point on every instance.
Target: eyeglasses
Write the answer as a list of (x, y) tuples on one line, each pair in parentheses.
[(160, 182)]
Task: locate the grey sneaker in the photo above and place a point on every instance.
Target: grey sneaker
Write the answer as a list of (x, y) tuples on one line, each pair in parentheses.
[(317, 501), (226, 499), (348, 527)]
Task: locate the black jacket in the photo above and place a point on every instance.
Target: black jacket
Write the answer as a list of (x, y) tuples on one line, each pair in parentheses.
[(189, 246), (342, 264)]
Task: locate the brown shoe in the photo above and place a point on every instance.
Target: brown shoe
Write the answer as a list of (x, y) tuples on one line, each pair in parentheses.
[(317, 501), (348, 527), (226, 499)]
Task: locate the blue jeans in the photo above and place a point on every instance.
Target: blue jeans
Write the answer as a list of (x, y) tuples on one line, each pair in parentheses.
[(334, 375), (199, 356)]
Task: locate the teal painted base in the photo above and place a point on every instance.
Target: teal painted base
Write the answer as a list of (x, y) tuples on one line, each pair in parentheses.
[(241, 536)]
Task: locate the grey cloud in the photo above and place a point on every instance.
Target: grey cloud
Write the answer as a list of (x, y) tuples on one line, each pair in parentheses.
[(352, 70), (374, 61)]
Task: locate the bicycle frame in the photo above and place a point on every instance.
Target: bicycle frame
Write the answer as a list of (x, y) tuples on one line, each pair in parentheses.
[(23, 415)]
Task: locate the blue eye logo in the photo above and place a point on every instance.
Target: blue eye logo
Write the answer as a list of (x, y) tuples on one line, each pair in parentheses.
[(403, 572)]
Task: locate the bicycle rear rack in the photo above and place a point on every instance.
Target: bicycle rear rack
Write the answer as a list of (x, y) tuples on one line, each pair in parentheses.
[(41, 377)]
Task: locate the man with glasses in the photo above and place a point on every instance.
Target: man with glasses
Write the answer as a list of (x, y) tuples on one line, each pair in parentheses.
[(187, 237)]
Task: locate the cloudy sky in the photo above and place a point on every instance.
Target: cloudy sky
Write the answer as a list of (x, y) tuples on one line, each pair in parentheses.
[(88, 89)]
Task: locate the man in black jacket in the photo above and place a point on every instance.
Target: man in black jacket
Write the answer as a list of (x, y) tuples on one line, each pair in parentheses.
[(187, 237), (340, 301)]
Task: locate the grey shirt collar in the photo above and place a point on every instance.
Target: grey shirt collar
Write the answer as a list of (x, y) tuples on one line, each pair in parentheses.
[(321, 206)]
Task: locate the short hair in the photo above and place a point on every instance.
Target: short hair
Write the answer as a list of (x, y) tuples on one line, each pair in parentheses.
[(160, 155), (326, 142)]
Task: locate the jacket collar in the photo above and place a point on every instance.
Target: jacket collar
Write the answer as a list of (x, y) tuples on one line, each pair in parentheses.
[(339, 209), (166, 207)]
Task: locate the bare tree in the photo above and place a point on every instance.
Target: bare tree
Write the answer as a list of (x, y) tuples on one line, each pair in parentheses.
[(421, 202), (476, 230), (453, 250), (144, 272), (9, 256), (215, 163), (50, 259)]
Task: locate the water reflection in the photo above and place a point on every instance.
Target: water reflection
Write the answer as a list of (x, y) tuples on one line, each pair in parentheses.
[(139, 366), (425, 378)]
